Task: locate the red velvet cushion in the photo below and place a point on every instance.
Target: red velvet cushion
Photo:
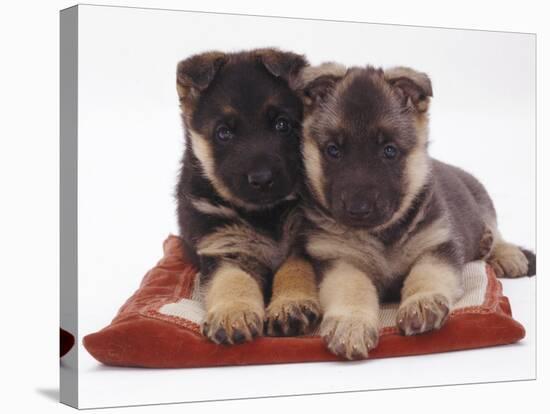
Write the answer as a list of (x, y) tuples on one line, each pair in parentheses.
[(142, 336)]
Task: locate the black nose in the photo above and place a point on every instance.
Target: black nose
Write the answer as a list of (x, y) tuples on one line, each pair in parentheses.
[(357, 208), (261, 179)]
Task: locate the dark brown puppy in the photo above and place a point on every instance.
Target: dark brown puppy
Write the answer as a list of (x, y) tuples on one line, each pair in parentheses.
[(238, 192), (384, 218)]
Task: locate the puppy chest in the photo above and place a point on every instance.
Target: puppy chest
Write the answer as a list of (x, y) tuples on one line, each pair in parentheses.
[(382, 264)]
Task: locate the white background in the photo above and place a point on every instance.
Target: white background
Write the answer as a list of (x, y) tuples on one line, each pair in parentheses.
[(30, 213)]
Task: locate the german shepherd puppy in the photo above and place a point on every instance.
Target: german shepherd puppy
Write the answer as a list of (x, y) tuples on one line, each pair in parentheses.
[(238, 192), (384, 218)]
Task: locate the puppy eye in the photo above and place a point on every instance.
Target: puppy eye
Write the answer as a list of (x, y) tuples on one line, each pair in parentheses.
[(390, 151), (282, 125), (333, 151), (223, 133)]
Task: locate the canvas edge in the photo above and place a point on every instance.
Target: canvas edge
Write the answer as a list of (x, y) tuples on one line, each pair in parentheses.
[(68, 207)]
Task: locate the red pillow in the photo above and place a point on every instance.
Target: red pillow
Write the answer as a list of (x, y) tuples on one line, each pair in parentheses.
[(158, 327)]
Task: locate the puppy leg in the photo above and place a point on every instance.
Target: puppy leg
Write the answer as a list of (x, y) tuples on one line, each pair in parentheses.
[(294, 308), (349, 301), (234, 306), (508, 260), (427, 295)]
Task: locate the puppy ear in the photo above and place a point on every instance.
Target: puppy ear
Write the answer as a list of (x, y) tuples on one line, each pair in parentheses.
[(414, 88), (284, 65), (316, 91), (196, 73), (317, 82)]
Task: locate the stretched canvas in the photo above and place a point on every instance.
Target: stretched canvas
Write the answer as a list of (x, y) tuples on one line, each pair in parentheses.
[(129, 294)]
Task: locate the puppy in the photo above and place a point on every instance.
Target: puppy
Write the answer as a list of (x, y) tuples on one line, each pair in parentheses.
[(384, 219), (237, 196)]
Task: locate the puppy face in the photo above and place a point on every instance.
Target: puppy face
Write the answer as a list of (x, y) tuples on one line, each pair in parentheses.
[(244, 123), (365, 143)]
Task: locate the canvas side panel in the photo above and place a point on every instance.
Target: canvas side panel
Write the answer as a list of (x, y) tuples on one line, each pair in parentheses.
[(68, 199)]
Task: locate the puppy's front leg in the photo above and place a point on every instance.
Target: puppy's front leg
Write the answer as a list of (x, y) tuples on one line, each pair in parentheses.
[(349, 302), (427, 295), (294, 308), (234, 306)]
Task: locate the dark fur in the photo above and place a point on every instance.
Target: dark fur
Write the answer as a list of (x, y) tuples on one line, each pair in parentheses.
[(532, 259), (247, 92)]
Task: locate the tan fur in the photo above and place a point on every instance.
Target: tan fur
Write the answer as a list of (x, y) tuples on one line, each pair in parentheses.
[(203, 151), (422, 128), (313, 164), (367, 253), (208, 208), (431, 274), (294, 295), (349, 302), (295, 279), (407, 252), (229, 110), (233, 301), (430, 287), (241, 239), (508, 260), (417, 171), (428, 292)]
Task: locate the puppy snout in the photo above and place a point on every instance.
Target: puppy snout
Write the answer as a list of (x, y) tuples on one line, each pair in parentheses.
[(261, 179), (357, 208)]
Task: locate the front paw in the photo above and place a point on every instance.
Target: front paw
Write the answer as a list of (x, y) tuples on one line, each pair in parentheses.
[(291, 317), (233, 323), (350, 336), (422, 313)]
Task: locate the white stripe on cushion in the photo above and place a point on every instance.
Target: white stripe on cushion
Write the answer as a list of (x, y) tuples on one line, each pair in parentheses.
[(475, 286)]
